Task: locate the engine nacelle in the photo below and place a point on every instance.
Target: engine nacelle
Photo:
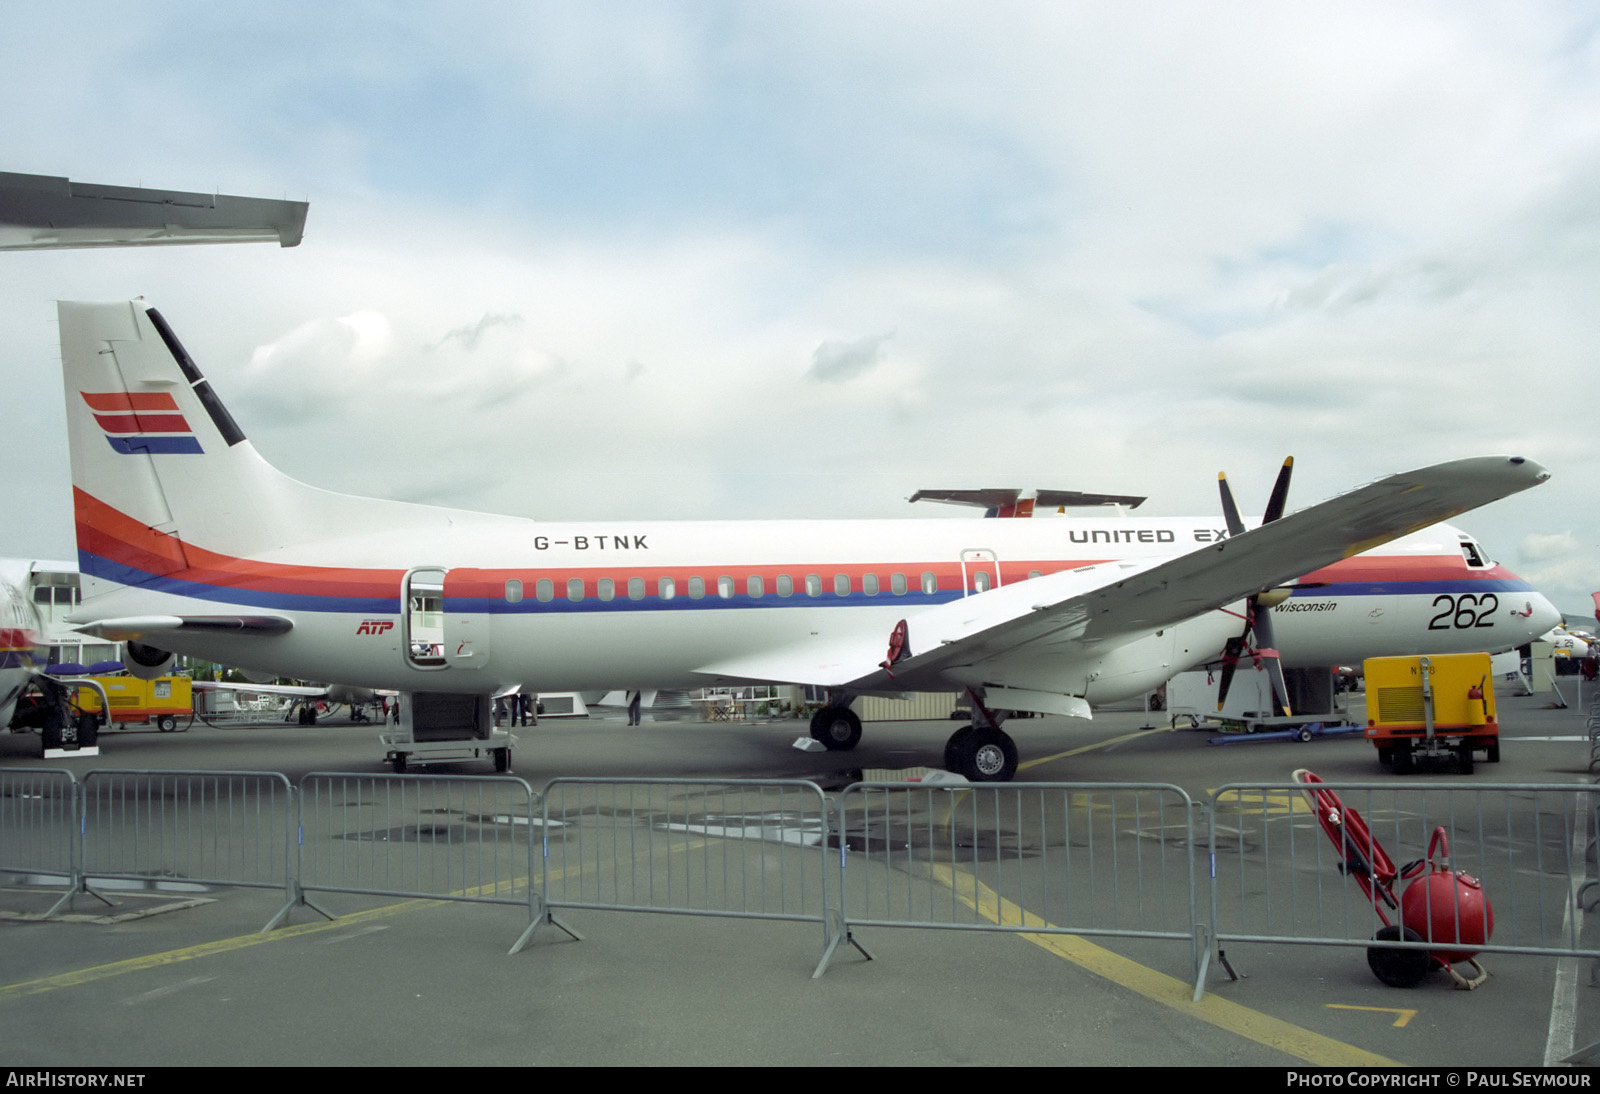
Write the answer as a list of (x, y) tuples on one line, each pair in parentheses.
[(146, 662)]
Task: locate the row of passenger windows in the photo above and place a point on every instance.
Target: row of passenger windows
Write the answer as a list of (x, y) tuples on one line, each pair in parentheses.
[(755, 586)]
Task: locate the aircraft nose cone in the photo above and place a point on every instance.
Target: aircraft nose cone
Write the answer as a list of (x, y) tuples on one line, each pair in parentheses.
[(1545, 617)]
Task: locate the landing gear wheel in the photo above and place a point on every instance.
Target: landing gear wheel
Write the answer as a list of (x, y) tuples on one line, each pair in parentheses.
[(1398, 968), (838, 728), (167, 723), (953, 748), (502, 759), (988, 756), (1464, 756)]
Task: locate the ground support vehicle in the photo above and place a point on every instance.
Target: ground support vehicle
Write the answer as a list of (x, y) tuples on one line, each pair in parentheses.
[(1434, 707), (161, 702)]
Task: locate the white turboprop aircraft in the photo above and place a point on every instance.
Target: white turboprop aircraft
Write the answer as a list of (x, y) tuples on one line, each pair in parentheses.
[(189, 542)]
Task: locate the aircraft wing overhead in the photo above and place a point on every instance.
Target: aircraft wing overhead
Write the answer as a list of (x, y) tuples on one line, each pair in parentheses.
[(1118, 601), (138, 626)]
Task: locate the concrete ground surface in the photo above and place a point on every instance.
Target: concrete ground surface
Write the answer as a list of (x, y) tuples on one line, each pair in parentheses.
[(396, 981)]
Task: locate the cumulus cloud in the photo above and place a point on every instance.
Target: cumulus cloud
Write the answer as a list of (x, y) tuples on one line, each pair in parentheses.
[(836, 362)]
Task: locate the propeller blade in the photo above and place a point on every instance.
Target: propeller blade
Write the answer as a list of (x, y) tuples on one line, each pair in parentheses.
[(1280, 493), (1230, 660), (1230, 511), (1267, 651)]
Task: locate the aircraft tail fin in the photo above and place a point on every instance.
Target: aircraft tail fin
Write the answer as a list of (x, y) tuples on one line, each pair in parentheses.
[(164, 480)]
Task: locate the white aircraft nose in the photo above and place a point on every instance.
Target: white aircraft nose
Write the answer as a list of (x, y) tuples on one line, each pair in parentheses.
[(1543, 618)]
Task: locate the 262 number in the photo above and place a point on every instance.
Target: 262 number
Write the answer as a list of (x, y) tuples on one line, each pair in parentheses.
[(1463, 612)]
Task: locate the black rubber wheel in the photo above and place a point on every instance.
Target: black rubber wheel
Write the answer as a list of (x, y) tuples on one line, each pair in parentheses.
[(502, 759), (954, 748), (1492, 753), (988, 756), (1386, 756), (1398, 968), (838, 728), (1404, 762), (399, 763), (1464, 756), (1304, 734), (167, 723)]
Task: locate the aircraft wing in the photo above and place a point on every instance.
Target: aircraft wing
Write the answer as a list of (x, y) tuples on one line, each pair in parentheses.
[(298, 691), (1118, 601), (139, 626)]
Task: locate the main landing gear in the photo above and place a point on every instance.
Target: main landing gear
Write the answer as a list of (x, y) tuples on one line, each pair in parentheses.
[(838, 728), (982, 752)]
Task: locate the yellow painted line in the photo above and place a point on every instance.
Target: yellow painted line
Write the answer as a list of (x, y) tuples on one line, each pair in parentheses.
[(205, 949), (243, 942), (1290, 1039), (1107, 743), (1402, 1016)]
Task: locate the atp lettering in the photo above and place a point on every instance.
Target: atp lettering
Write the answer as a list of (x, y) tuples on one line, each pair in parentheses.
[(375, 626)]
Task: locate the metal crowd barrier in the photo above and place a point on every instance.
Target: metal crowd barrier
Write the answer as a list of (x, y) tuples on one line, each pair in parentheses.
[(38, 825), (206, 827), (436, 837), (1041, 858), (1278, 877), (1121, 861), (730, 848)]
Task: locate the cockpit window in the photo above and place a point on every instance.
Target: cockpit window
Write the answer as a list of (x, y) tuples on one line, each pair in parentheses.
[(1474, 554)]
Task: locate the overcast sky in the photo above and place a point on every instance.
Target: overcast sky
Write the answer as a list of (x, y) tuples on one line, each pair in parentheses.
[(767, 259)]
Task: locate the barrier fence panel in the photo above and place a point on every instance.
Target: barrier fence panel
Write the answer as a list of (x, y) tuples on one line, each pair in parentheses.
[(749, 849), (429, 836), (38, 823), (209, 827), (1281, 876), (1091, 859)]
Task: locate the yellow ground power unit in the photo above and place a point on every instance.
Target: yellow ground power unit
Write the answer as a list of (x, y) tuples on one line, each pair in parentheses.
[(163, 700), (1431, 707)]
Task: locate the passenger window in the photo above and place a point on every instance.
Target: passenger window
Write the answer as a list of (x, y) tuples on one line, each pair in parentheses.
[(897, 584), (697, 588), (980, 581), (606, 588), (725, 587), (754, 586), (636, 588), (575, 589), (785, 585), (869, 584), (545, 590), (666, 589), (813, 585), (513, 591), (1033, 574), (841, 584), (930, 584)]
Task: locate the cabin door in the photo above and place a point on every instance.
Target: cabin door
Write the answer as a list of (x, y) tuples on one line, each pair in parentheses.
[(980, 570)]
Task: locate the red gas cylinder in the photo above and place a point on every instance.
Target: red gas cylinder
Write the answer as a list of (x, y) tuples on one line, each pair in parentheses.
[(1449, 907)]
